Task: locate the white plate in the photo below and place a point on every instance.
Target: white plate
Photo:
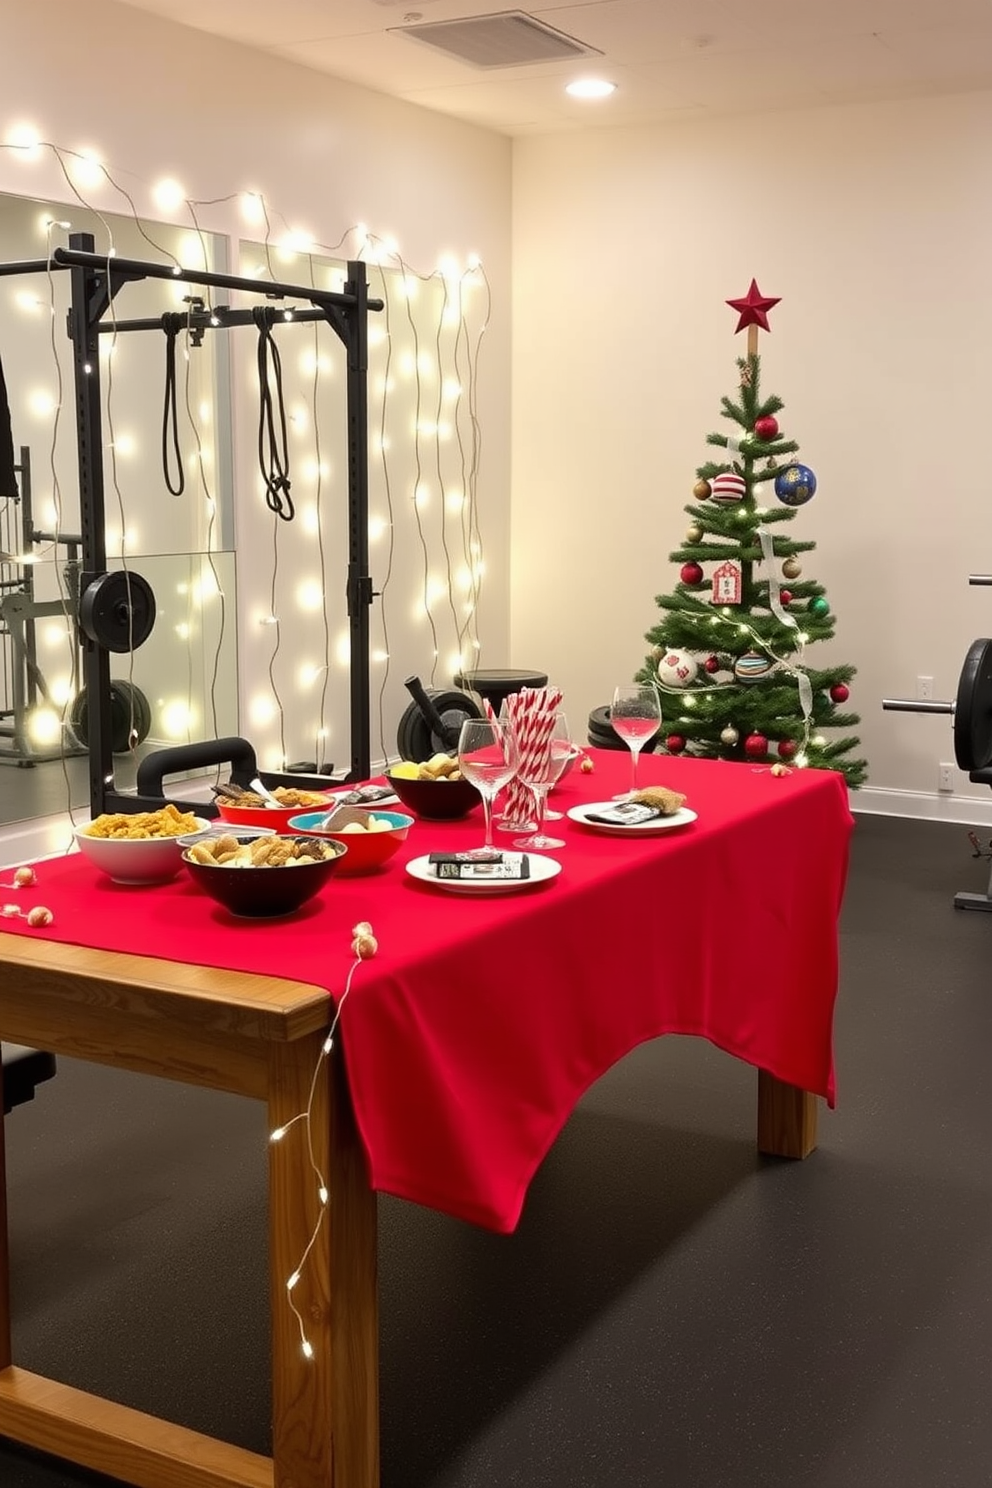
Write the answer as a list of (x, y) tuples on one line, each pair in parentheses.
[(541, 871), (651, 828)]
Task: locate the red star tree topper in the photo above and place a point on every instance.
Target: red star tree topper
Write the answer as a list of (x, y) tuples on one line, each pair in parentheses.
[(753, 308)]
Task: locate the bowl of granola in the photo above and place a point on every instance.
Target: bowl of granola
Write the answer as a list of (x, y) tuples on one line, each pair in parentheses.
[(140, 847), (262, 877)]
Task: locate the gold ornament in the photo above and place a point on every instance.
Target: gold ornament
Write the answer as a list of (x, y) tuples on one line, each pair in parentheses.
[(694, 534), (701, 490), (792, 568)]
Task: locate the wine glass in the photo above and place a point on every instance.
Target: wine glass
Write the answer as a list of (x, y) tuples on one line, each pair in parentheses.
[(539, 771), (549, 813), (636, 717), (487, 757)]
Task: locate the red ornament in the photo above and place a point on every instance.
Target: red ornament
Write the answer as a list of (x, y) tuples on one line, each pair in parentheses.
[(755, 746), (712, 664), (728, 487), (675, 743), (753, 308), (766, 428), (787, 748), (839, 693), (784, 597), (691, 573)]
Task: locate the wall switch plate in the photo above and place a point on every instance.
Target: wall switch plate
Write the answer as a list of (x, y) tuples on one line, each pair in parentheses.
[(946, 777), (924, 689)]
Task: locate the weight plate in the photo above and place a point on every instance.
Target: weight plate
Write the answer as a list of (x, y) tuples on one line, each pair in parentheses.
[(602, 734), (138, 706), (117, 610), (973, 709), (417, 740), (128, 708)]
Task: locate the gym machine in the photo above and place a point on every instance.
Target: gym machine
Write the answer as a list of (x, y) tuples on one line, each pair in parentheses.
[(972, 714), (23, 687)]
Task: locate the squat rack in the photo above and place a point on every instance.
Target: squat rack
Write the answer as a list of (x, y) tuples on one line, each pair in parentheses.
[(95, 280)]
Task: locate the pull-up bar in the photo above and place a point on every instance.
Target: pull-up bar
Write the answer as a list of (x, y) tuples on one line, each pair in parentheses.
[(134, 268), (96, 279)]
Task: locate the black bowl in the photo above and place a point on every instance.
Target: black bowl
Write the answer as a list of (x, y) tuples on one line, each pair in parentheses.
[(436, 800), (263, 893)]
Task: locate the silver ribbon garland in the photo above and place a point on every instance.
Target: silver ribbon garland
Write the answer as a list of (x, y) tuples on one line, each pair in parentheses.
[(775, 604)]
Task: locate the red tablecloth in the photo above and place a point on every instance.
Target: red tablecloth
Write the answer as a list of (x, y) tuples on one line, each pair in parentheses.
[(471, 1035)]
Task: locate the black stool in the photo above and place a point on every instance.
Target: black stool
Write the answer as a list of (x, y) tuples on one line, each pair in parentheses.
[(496, 685), (23, 1069)]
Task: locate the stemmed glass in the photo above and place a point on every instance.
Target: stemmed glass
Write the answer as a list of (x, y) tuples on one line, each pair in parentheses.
[(487, 757), (636, 717), (539, 773), (549, 813)]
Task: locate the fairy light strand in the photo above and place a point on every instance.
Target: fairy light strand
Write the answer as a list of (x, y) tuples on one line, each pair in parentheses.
[(384, 595), (320, 740), (57, 507), (404, 276), (364, 946), (211, 511), (379, 252)]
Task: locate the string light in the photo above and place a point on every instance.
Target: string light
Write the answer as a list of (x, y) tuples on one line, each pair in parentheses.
[(168, 195), (449, 368), (363, 946)]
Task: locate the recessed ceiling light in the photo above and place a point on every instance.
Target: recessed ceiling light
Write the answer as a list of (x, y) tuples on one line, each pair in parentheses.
[(590, 88)]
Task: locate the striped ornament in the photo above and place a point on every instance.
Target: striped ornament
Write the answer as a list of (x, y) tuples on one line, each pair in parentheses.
[(727, 488), (752, 667)]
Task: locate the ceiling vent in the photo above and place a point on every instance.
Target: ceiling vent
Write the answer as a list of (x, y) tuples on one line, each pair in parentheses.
[(508, 39)]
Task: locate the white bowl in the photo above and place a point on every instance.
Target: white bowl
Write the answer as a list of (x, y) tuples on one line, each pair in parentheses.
[(138, 860)]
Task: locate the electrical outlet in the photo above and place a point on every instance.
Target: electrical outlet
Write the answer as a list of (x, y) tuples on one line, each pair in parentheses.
[(946, 777), (924, 689)]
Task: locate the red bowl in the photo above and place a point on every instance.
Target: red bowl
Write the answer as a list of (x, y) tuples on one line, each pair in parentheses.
[(276, 818)]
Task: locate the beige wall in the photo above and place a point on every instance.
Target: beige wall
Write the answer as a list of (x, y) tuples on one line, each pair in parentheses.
[(874, 226), (872, 223), (156, 100)]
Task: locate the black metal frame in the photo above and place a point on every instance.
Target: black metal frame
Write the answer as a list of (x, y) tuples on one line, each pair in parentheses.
[(95, 280)]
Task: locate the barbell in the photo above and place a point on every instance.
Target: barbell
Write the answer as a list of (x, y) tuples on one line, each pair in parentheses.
[(972, 706)]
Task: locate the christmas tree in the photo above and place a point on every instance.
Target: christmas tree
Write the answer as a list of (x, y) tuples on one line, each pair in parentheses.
[(730, 652)]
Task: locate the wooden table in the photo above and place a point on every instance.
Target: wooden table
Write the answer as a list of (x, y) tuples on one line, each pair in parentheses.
[(255, 1036), (262, 1036)]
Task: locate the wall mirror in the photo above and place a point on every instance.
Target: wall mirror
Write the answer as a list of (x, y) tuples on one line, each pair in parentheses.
[(169, 509)]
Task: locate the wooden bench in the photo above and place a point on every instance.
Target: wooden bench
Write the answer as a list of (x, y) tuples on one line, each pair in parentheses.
[(23, 1070)]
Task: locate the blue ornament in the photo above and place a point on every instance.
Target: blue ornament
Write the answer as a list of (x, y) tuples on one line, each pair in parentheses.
[(795, 485)]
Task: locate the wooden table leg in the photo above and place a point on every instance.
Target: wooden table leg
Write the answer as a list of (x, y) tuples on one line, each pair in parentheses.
[(786, 1118), (325, 1409), (5, 1344)]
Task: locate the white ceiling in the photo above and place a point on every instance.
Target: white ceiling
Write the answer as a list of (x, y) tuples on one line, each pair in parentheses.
[(671, 59)]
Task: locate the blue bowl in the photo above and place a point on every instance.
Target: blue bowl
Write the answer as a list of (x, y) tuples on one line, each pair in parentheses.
[(367, 851)]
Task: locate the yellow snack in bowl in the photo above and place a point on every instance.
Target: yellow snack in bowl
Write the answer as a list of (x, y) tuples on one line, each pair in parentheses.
[(405, 770)]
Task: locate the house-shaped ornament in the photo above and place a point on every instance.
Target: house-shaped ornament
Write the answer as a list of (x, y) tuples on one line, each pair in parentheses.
[(727, 584)]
